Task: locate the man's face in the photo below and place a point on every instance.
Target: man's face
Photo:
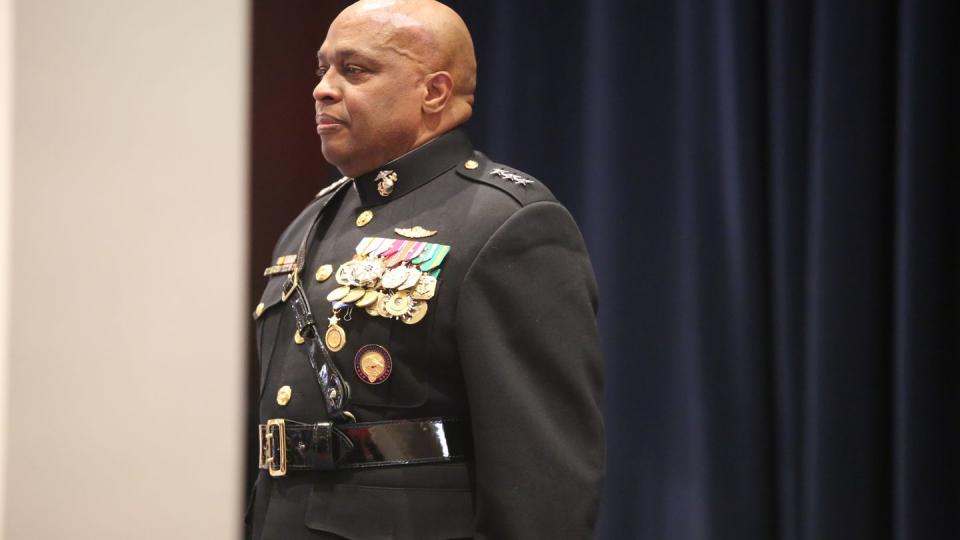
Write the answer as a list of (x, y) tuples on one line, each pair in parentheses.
[(369, 98)]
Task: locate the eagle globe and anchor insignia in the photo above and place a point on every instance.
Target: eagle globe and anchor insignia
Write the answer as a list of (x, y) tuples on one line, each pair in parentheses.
[(386, 180)]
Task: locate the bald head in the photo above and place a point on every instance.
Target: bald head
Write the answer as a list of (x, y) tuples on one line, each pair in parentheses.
[(394, 75), (429, 34)]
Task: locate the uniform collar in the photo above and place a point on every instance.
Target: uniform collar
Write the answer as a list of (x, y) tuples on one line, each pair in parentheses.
[(415, 168)]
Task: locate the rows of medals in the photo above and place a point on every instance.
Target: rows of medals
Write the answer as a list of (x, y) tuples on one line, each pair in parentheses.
[(386, 278)]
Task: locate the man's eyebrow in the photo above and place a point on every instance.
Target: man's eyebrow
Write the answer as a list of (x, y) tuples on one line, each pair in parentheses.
[(342, 53)]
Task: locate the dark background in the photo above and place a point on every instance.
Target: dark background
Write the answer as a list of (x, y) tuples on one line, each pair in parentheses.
[(769, 192)]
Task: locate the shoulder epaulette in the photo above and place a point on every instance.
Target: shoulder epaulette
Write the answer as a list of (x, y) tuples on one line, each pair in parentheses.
[(524, 188)]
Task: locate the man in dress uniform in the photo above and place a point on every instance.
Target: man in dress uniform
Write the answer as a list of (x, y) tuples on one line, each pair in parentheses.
[(429, 357)]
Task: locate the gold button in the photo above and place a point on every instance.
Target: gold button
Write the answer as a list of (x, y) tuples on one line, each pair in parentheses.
[(259, 311), (297, 338), (364, 218), (471, 164), (283, 395), (324, 272)]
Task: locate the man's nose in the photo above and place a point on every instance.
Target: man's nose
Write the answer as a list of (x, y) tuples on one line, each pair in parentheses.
[(326, 90)]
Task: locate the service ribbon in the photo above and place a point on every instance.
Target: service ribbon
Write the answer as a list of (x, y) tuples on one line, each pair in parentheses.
[(436, 259)]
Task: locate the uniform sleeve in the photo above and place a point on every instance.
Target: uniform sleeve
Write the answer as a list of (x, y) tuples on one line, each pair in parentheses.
[(528, 343)]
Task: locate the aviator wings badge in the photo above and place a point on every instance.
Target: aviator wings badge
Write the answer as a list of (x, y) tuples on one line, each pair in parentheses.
[(415, 232)]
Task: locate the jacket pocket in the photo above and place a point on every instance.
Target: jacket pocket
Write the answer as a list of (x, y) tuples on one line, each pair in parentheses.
[(267, 318), (382, 513)]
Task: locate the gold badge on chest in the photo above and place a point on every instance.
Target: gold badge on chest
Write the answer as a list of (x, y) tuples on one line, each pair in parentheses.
[(415, 232), (373, 364)]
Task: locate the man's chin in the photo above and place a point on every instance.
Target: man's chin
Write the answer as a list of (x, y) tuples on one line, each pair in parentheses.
[(333, 154)]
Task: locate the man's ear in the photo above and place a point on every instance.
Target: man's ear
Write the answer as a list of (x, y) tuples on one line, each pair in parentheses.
[(439, 88)]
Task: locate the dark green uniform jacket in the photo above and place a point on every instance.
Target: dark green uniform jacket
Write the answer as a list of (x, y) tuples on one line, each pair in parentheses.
[(509, 343)]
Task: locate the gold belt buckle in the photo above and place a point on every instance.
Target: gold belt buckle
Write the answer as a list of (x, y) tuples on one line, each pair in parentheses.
[(273, 447)]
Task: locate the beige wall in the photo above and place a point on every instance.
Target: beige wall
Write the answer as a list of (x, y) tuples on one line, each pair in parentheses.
[(128, 262), (6, 192)]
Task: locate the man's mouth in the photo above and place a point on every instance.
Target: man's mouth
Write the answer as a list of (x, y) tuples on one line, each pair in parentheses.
[(327, 124)]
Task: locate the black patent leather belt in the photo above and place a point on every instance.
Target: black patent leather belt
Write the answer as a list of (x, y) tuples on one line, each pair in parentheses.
[(288, 445)]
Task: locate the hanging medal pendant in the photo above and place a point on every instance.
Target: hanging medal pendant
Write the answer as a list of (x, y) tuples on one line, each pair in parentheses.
[(335, 338)]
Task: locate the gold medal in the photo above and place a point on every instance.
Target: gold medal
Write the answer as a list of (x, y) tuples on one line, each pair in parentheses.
[(338, 293), (343, 273), (368, 272), (353, 295), (395, 277), (360, 272), (381, 304), (373, 364), (369, 297), (413, 276), (334, 337), (372, 310), (416, 313), (426, 288), (398, 303)]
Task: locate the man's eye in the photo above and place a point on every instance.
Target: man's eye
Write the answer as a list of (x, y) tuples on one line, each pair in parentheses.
[(321, 72), (352, 69)]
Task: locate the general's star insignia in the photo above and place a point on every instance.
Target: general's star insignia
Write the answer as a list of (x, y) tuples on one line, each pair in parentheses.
[(415, 232), (513, 177)]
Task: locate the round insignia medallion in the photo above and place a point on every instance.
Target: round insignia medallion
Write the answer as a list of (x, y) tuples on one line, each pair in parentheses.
[(373, 364), (413, 277), (369, 297), (338, 293), (395, 277), (416, 314), (398, 303), (354, 295), (335, 338)]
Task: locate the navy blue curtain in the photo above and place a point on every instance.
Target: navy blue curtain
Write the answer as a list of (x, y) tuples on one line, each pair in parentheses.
[(769, 192)]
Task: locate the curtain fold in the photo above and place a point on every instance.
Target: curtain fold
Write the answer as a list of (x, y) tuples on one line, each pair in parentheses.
[(769, 192)]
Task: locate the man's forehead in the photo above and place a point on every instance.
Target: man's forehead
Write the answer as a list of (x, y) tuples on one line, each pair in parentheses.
[(372, 34)]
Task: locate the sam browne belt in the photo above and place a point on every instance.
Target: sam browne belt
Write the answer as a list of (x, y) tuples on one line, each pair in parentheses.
[(288, 445)]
